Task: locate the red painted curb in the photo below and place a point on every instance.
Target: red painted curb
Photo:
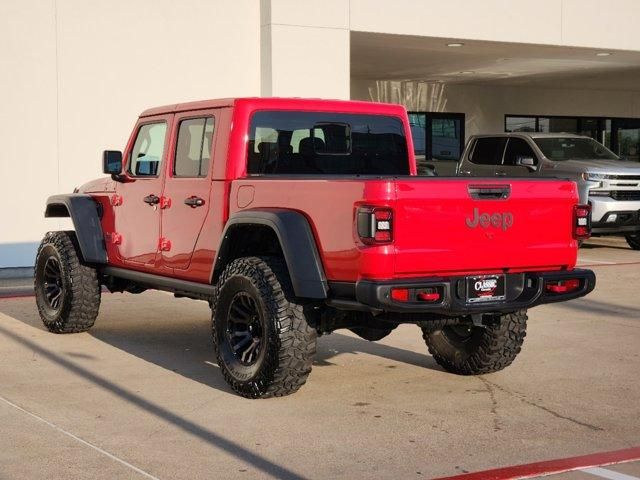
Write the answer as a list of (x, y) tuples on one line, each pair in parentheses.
[(552, 466)]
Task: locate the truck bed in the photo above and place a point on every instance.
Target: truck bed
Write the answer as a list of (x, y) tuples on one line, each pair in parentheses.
[(441, 226)]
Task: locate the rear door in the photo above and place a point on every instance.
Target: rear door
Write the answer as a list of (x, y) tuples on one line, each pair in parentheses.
[(481, 225), (485, 156), (186, 198), (517, 149)]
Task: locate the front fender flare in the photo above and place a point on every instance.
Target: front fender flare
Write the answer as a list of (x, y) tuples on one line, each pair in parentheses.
[(85, 214)]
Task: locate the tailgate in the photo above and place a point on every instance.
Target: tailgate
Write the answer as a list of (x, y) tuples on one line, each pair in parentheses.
[(483, 225)]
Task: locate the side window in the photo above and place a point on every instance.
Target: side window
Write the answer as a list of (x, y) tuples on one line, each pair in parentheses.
[(488, 150), (148, 149), (518, 148), (193, 148)]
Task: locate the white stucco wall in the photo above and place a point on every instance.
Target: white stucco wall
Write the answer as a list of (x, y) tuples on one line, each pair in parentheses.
[(305, 48), (77, 73), (581, 23)]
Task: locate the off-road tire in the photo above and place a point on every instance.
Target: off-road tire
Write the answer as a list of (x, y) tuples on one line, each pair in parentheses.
[(288, 343), (486, 349), (78, 303), (633, 239)]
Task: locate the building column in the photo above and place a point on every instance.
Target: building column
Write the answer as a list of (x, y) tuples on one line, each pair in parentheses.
[(304, 48)]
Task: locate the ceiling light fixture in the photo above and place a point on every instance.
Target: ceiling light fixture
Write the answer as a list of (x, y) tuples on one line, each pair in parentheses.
[(455, 44), (603, 54), (465, 72)]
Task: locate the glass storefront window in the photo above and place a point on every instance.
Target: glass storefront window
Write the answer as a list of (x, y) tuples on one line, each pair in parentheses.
[(621, 135), (589, 128), (606, 134), (445, 139), (557, 125), (418, 124), (627, 135), (438, 140), (520, 124)]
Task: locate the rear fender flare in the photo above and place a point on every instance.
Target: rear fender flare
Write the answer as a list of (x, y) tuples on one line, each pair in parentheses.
[(296, 241)]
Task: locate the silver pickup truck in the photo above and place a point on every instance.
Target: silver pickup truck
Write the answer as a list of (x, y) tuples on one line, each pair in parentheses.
[(609, 184)]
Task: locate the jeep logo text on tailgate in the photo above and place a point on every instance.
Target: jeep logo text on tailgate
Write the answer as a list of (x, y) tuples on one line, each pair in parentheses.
[(485, 220)]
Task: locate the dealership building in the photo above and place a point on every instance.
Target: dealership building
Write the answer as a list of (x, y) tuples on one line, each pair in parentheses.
[(76, 74)]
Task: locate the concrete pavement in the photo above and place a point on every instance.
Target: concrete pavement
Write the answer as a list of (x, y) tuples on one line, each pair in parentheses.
[(140, 396)]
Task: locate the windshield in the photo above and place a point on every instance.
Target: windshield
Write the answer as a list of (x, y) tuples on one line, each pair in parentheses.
[(321, 143), (571, 148)]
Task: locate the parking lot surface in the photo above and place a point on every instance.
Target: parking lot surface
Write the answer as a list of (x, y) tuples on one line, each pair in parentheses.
[(140, 395)]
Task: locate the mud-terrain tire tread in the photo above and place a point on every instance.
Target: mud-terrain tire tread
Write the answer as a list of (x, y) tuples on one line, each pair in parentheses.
[(500, 343), (633, 240), (81, 303), (294, 341)]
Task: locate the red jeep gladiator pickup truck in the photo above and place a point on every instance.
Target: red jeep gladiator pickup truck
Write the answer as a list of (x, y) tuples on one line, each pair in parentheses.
[(294, 218)]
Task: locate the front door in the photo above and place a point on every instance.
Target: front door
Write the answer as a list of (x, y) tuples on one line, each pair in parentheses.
[(517, 149), (137, 200), (485, 156), (187, 187)]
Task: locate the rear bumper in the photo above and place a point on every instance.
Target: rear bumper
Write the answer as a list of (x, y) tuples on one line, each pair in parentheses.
[(523, 290)]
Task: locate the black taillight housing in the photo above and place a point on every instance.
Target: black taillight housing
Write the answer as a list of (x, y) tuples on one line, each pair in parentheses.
[(581, 222), (375, 225)]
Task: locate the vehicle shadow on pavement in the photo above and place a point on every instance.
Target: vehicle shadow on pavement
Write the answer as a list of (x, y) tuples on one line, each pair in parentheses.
[(591, 245), (181, 342), (337, 344), (605, 308), (149, 407)]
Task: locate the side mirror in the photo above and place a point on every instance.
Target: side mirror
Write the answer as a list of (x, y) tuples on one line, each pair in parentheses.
[(112, 165), (112, 162), (527, 162)]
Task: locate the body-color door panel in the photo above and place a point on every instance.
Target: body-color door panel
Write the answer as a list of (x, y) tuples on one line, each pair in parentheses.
[(136, 221), (188, 186)]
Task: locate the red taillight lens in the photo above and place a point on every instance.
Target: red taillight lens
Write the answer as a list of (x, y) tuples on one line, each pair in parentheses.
[(375, 225), (417, 295), (400, 294), (563, 286), (429, 295), (581, 222)]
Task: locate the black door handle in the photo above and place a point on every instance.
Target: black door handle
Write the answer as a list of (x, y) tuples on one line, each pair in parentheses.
[(194, 201), (152, 199)]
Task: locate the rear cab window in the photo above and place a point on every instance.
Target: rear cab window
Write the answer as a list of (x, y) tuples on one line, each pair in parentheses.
[(326, 143), (488, 151)]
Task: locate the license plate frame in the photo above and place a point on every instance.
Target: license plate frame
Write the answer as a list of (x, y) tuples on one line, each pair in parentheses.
[(486, 288)]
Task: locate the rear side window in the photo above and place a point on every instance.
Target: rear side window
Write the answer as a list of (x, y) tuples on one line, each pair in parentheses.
[(518, 148), (148, 149), (193, 149), (323, 143), (488, 151)]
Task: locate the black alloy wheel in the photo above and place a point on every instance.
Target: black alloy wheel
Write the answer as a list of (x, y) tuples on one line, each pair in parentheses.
[(53, 284), (245, 329)]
